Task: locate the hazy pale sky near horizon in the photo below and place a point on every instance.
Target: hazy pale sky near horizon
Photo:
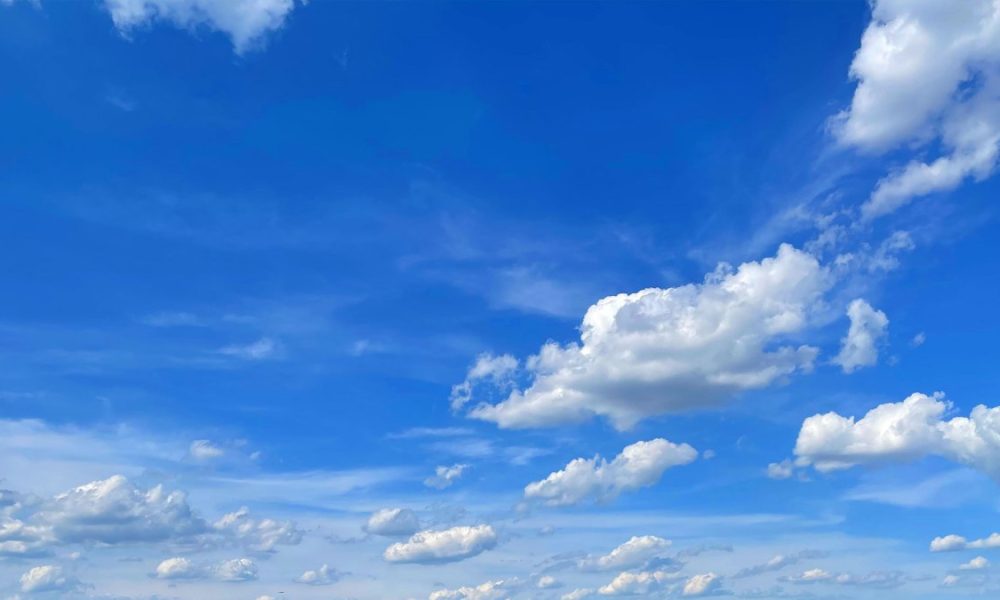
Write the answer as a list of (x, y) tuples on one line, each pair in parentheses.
[(499, 300)]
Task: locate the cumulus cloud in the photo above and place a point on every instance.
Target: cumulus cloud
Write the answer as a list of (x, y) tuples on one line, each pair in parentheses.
[(928, 75), (47, 578), (178, 568), (238, 569), (702, 585), (491, 590), (245, 22), (639, 465), (661, 351), (901, 431), (634, 553), (976, 564), (260, 535), (952, 542), (441, 546), (444, 476), (860, 347), (321, 576), (631, 583), (393, 521)]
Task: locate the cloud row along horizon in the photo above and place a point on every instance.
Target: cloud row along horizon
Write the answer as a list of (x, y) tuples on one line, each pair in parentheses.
[(499, 301)]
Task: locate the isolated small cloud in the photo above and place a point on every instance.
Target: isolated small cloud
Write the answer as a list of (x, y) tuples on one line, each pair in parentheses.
[(204, 450), (445, 476), (859, 348), (321, 576)]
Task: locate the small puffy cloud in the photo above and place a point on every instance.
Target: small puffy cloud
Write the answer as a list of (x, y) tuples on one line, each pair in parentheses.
[(393, 521), (245, 22), (918, 340), (631, 583), (810, 576), (47, 578), (952, 542), (116, 511), (178, 568), (900, 431), (547, 582), (259, 535), (976, 564), (444, 476), (440, 546), (238, 569), (671, 350), (778, 562), (927, 76), (491, 590), (636, 552), (859, 348), (702, 585), (321, 576), (262, 349), (204, 450), (498, 370), (639, 465), (781, 470)]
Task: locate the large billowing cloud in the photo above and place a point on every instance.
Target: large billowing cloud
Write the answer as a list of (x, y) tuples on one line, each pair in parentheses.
[(246, 22), (901, 431), (639, 465), (666, 350), (447, 545), (859, 348), (928, 74)]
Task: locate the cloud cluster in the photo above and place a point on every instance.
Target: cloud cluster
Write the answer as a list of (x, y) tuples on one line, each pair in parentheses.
[(928, 76), (639, 465), (667, 350), (902, 431), (246, 22), (447, 545)]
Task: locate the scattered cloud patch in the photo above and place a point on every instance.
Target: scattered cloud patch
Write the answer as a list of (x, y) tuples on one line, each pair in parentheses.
[(445, 476)]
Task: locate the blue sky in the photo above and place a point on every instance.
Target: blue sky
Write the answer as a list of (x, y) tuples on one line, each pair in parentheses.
[(338, 300)]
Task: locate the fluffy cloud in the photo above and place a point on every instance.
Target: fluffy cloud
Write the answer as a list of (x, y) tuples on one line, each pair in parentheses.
[(639, 465), (976, 564), (446, 545), (393, 521), (322, 576), (860, 347), (636, 552), (260, 535), (951, 543), (116, 511), (902, 431), (547, 582), (47, 578), (781, 470), (238, 569), (491, 590), (928, 74), (444, 476), (178, 568), (629, 583), (246, 22), (668, 350), (702, 585)]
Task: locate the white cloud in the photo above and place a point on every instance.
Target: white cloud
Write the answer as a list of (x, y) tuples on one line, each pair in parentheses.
[(497, 370), (976, 564), (204, 450), (902, 431), (630, 583), (393, 521), (178, 568), (636, 552), (810, 576), (952, 542), (776, 563), (491, 590), (781, 470), (927, 74), (668, 350), (446, 545), (238, 569), (702, 585), (444, 476), (246, 22), (47, 578), (578, 594), (322, 576), (860, 347), (639, 465), (116, 511), (260, 535), (262, 349), (547, 582)]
